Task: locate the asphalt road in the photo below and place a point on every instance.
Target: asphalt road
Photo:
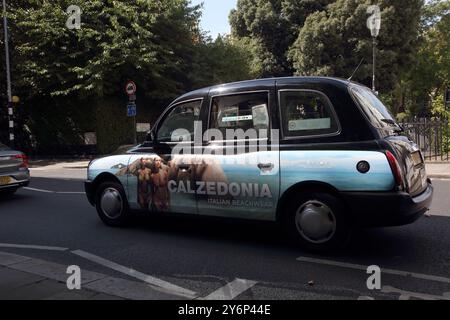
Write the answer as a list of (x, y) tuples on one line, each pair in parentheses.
[(205, 256)]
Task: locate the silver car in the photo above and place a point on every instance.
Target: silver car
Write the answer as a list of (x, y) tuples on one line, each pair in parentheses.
[(14, 171)]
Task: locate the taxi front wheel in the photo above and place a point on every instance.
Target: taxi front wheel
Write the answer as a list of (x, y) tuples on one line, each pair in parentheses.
[(317, 221), (111, 204)]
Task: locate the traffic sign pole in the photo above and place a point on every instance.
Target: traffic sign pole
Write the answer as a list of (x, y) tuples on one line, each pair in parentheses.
[(8, 79), (130, 89), (135, 130)]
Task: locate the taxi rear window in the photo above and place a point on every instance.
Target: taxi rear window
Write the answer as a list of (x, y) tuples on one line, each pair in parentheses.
[(375, 110), (306, 113)]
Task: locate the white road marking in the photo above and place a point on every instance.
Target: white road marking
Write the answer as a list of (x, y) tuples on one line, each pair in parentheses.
[(407, 295), (70, 192), (154, 282), (364, 268), (231, 290), (23, 246), (39, 190), (54, 192)]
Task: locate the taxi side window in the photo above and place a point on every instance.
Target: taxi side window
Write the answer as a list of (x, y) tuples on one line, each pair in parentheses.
[(179, 122), (243, 111), (306, 113)]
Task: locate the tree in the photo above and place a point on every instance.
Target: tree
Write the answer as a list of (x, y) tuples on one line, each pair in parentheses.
[(333, 41), (146, 40), (268, 28), (71, 81), (421, 87), (220, 61), (430, 74)]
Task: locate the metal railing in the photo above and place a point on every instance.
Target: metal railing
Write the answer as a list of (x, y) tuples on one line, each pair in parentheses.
[(432, 135)]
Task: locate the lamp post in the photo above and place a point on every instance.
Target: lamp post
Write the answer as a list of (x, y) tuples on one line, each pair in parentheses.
[(374, 25), (8, 79)]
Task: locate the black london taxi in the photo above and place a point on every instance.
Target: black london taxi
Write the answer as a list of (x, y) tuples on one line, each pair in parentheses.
[(320, 155)]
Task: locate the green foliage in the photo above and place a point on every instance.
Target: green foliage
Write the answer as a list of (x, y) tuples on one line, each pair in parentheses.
[(113, 127), (326, 37), (333, 41), (62, 74), (143, 40), (421, 88), (220, 61), (268, 28)]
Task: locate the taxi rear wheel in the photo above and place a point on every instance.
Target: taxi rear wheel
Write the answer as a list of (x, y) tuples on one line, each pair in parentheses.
[(317, 221), (111, 204)]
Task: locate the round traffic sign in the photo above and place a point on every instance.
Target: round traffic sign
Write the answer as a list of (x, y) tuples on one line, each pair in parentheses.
[(130, 88)]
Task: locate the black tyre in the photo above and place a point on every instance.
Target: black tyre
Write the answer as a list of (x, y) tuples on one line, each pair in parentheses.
[(317, 221), (111, 204)]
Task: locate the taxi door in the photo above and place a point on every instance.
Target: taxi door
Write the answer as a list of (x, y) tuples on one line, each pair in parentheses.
[(239, 173), (155, 172)]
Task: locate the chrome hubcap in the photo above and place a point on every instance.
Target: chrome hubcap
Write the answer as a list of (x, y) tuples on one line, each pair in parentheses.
[(316, 222), (111, 203)]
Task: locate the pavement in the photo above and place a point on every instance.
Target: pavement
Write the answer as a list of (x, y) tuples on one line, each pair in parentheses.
[(26, 278), (59, 169), (50, 226), (438, 170)]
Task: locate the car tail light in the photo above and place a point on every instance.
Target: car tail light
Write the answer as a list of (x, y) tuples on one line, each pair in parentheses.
[(396, 171), (24, 159)]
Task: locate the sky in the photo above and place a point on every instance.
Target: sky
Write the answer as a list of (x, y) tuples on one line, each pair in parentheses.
[(215, 15)]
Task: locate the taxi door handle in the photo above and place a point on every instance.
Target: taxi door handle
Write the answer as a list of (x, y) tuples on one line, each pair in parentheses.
[(265, 166)]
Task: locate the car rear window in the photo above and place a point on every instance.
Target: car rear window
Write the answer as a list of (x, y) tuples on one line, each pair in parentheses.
[(307, 113), (375, 110), (3, 147)]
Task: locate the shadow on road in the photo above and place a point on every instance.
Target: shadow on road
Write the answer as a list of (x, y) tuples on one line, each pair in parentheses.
[(367, 244), (10, 198)]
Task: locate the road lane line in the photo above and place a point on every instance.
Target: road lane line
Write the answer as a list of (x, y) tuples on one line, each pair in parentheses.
[(24, 246), (39, 190), (364, 268), (231, 290), (154, 282), (70, 192), (54, 192)]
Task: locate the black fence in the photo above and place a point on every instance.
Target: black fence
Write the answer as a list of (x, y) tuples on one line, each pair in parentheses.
[(432, 135)]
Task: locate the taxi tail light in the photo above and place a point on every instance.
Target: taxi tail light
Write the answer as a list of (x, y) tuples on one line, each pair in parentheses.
[(24, 159), (395, 167)]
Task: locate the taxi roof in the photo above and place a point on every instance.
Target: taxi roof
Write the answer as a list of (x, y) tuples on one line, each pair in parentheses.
[(261, 83)]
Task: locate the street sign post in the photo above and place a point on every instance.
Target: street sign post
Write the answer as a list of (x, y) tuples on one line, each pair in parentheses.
[(131, 110), (8, 78), (131, 89)]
